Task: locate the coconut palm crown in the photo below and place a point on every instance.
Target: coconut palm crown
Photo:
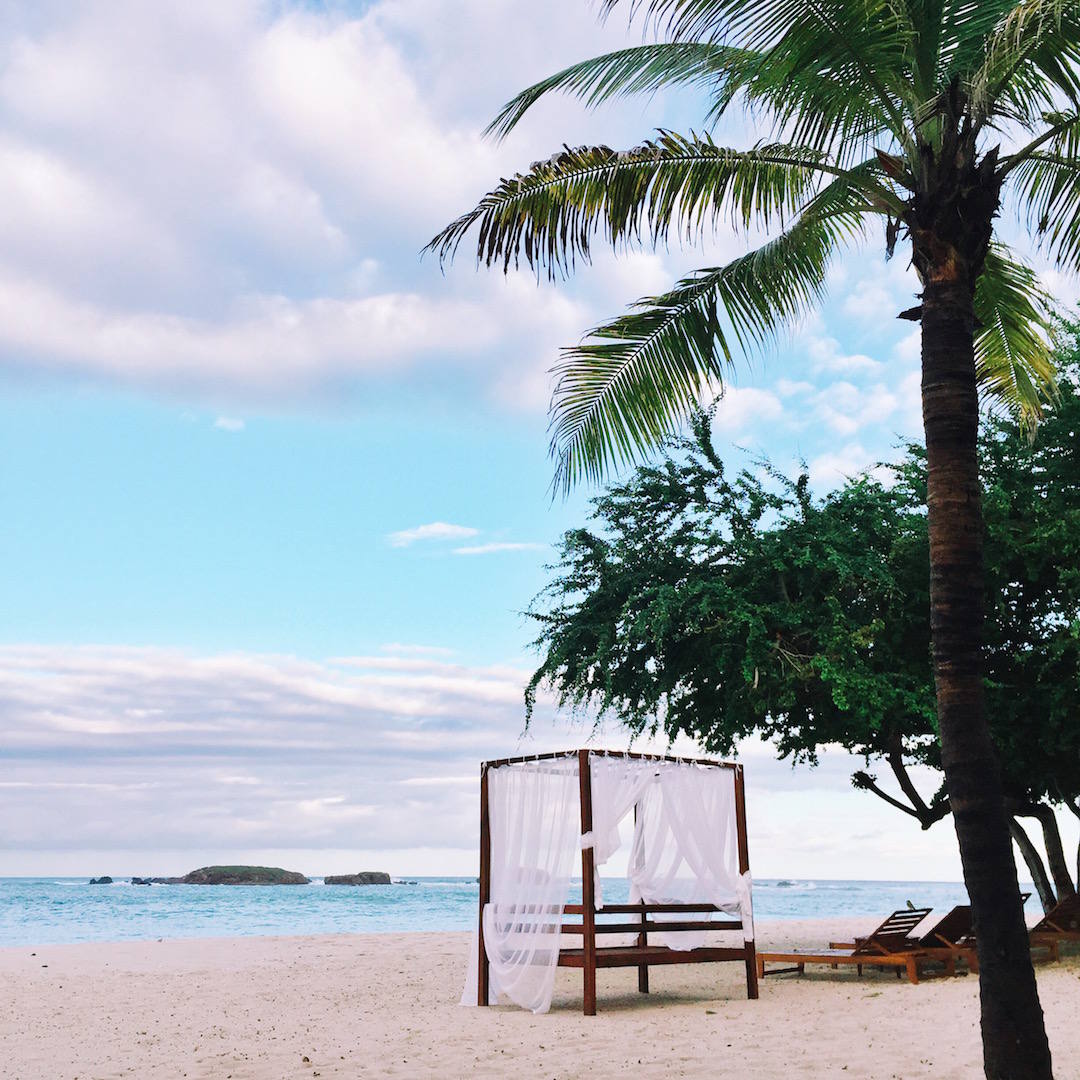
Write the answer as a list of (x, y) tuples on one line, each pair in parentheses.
[(913, 122), (866, 101)]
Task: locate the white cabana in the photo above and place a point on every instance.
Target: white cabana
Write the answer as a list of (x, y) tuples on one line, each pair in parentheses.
[(688, 871)]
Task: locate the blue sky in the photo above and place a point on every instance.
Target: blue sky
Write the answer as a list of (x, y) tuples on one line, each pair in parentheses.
[(274, 490)]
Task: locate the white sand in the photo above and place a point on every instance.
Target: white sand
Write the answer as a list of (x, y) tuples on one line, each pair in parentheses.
[(386, 1005)]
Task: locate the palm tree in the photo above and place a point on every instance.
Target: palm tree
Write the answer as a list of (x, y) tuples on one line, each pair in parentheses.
[(918, 114)]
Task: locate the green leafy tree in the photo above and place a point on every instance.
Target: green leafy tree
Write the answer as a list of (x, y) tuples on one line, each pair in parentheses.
[(720, 606), (917, 115)]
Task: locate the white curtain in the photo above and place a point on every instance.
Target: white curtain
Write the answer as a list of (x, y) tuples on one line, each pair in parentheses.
[(686, 848), (535, 816), (618, 783)]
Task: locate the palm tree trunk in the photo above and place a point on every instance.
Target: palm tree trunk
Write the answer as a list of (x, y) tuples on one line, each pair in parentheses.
[(1014, 1036)]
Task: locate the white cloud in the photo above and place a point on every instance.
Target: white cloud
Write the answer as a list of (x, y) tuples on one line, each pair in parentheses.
[(260, 247), (741, 407), (435, 530), (827, 356), (169, 760), (793, 388), (833, 468), (229, 423), (497, 546)]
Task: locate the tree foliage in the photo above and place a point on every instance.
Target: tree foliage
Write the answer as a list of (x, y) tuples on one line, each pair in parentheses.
[(721, 603)]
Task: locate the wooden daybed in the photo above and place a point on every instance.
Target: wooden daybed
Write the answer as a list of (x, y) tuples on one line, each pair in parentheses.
[(592, 923)]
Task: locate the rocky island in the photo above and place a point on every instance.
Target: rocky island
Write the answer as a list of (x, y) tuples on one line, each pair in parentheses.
[(365, 877), (237, 875)]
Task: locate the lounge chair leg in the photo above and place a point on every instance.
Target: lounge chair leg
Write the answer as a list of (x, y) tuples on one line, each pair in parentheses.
[(912, 971), (643, 978), (760, 968), (858, 968), (802, 969)]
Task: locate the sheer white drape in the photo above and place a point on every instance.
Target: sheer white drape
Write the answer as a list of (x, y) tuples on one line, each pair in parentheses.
[(686, 847), (535, 816)]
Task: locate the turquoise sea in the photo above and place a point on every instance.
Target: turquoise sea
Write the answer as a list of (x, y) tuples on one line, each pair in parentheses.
[(56, 910)]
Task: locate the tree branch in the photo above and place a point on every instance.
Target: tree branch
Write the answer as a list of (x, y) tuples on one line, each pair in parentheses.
[(1055, 853), (865, 782), (927, 815), (1034, 864)]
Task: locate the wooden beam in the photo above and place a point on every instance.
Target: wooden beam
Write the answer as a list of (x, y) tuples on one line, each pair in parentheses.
[(483, 971), (588, 886), (643, 935), (523, 758), (744, 867), (649, 909)]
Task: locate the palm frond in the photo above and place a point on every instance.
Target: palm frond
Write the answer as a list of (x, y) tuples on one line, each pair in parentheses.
[(1029, 62), (1047, 182), (643, 69), (549, 215), (627, 385), (863, 50), (1013, 347)]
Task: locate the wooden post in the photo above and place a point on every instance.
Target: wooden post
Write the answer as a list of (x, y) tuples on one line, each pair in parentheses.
[(483, 971), (744, 866), (643, 969), (588, 889)]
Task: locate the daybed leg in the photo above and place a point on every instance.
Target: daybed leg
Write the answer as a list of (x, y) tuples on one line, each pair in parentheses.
[(588, 884), (751, 972), (483, 975), (643, 941)]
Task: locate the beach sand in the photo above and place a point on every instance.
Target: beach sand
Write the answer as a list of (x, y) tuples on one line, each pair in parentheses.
[(386, 1005)]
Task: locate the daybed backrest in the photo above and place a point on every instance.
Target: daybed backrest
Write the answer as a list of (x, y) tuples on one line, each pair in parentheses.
[(892, 935)]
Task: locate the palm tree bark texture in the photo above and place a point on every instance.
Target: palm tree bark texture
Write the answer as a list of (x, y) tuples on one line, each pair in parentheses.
[(949, 252)]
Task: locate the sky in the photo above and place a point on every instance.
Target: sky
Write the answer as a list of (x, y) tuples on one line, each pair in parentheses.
[(275, 491)]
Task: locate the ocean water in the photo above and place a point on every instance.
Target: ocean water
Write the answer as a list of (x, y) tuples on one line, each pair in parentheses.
[(51, 911)]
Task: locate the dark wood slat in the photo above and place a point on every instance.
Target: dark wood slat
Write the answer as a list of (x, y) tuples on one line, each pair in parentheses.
[(636, 909), (652, 927), (632, 956), (499, 762)]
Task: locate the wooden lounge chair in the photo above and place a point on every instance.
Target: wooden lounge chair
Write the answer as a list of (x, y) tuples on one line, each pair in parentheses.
[(1060, 923), (889, 945)]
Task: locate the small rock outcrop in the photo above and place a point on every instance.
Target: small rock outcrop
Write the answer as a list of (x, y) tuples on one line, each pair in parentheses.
[(141, 881), (365, 877), (106, 880), (242, 875)]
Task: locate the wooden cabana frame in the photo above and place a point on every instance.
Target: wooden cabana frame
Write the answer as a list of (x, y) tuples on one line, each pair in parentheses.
[(635, 917)]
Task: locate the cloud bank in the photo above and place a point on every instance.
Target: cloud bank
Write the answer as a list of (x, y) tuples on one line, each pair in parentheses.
[(144, 751)]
